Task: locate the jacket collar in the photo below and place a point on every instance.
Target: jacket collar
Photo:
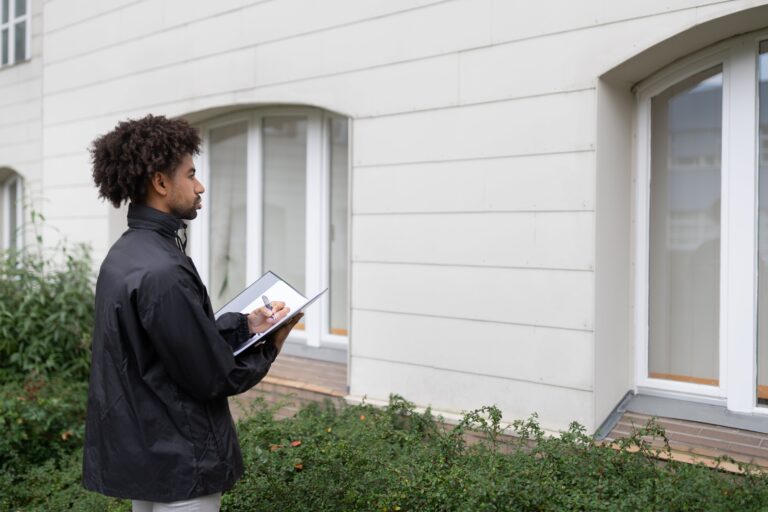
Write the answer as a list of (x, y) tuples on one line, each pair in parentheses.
[(141, 216)]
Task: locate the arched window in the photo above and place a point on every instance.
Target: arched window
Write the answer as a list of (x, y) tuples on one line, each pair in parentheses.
[(277, 199), (702, 224), (11, 210)]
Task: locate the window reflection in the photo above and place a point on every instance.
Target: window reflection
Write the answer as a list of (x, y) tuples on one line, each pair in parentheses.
[(762, 228), (685, 230)]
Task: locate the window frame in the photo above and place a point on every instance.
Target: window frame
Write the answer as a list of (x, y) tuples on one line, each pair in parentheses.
[(316, 320), (11, 26), (737, 336)]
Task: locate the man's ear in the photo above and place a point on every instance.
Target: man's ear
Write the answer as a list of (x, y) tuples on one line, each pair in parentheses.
[(159, 183)]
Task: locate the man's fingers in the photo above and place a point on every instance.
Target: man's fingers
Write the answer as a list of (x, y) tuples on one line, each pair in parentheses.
[(296, 319)]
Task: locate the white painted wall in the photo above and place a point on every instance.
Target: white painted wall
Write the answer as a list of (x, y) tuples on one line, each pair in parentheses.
[(20, 114), (475, 223)]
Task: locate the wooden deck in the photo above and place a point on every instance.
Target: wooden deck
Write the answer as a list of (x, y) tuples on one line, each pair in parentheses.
[(694, 442), (294, 382)]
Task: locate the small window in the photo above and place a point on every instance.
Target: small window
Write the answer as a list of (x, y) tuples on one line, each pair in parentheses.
[(14, 31), (11, 211)]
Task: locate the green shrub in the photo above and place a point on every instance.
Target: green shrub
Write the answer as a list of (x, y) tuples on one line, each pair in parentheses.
[(40, 420), (363, 458), (46, 313), (46, 317), (52, 487), (395, 459)]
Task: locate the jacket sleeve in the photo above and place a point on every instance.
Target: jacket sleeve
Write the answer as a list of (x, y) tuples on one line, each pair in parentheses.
[(233, 327), (193, 351)]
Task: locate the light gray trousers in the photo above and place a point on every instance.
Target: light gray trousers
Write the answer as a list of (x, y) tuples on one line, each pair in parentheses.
[(210, 503)]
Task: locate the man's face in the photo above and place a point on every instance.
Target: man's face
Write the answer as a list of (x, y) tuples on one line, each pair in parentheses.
[(184, 191)]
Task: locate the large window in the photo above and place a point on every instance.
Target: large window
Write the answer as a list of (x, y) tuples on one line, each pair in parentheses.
[(14, 31), (702, 227), (11, 210), (277, 197)]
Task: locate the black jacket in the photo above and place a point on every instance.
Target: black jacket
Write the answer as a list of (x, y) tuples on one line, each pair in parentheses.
[(158, 426)]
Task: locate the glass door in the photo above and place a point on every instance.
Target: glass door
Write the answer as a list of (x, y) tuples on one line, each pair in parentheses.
[(684, 231), (762, 229)]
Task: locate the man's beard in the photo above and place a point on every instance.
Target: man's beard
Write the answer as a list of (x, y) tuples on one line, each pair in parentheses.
[(185, 213)]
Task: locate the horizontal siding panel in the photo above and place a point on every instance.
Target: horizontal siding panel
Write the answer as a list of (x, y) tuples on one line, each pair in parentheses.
[(528, 183), (451, 26), (64, 140), (20, 112), (545, 298), (28, 73), (401, 87), (61, 13), (19, 92), (136, 39), (458, 392), (20, 133), (68, 171), (242, 24), (547, 124), (485, 239), (396, 88), (561, 62), (75, 201), (555, 357), (515, 19), (17, 153), (136, 20), (92, 231), (134, 93)]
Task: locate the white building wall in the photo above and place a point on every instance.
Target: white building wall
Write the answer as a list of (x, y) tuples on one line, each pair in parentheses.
[(473, 163), (20, 113)]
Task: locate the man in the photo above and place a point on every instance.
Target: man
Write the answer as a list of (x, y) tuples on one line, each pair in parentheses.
[(158, 427)]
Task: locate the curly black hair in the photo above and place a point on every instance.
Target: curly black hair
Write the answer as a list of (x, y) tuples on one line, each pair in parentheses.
[(125, 158)]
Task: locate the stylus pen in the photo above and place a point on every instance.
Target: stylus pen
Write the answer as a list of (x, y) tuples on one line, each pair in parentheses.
[(268, 305)]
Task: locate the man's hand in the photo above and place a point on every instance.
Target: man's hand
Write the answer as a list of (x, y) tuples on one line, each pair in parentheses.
[(279, 336), (261, 319)]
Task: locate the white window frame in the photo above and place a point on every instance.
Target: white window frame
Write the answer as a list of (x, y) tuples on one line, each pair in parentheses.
[(317, 265), (11, 232), (738, 253), (11, 27)]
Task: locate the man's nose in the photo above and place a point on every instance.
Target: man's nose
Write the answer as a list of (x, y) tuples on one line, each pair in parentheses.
[(200, 188)]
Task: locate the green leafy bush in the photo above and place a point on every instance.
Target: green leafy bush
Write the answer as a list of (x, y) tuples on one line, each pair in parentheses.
[(363, 458), (46, 317), (396, 459), (46, 313), (54, 486), (40, 420)]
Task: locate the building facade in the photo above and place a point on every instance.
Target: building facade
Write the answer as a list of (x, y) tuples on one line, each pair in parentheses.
[(541, 206)]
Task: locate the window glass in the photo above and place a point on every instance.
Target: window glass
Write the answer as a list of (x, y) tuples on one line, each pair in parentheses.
[(4, 47), (4, 9), (686, 133), (20, 42), (20, 8), (338, 233), (762, 229), (284, 153), (227, 194), (13, 219)]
